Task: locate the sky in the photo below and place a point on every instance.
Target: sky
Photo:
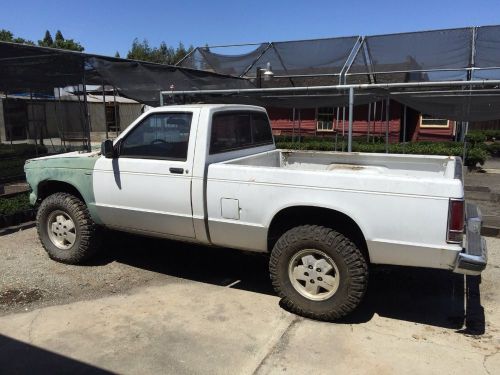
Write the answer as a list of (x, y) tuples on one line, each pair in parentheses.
[(104, 27)]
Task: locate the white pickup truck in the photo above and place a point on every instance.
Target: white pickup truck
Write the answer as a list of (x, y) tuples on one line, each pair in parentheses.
[(211, 174)]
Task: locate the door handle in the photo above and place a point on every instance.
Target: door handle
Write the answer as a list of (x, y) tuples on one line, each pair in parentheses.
[(176, 170)]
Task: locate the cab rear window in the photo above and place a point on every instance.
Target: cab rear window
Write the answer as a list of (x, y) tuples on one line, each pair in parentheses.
[(239, 130)]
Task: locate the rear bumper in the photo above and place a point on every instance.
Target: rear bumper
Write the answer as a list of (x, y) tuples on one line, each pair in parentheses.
[(473, 258)]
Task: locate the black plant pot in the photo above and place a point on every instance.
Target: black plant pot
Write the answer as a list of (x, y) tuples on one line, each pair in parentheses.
[(9, 220), (29, 215), (18, 217)]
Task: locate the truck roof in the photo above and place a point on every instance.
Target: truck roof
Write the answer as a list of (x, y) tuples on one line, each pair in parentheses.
[(183, 107)]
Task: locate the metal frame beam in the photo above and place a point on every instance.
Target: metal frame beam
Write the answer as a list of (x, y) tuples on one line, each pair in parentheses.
[(367, 86)]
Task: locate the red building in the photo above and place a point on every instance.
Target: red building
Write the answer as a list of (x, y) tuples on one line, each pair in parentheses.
[(328, 121)]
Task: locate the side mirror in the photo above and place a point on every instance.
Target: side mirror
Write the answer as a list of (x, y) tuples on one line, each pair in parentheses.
[(107, 149)]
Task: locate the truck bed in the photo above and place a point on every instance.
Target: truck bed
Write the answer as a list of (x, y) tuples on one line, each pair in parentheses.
[(392, 198), (414, 166)]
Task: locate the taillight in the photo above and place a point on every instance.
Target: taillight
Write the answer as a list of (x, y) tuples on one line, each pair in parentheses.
[(456, 217)]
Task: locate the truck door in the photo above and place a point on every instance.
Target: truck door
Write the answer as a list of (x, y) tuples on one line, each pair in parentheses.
[(147, 187)]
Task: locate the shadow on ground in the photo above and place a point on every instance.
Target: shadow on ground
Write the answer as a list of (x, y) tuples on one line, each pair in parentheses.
[(17, 357), (433, 297)]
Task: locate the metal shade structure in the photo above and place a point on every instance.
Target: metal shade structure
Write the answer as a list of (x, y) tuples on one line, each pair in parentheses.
[(450, 73), (40, 70)]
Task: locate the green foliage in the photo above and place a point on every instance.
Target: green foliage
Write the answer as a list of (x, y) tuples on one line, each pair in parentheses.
[(492, 135), (475, 155), (59, 36), (47, 40), (14, 204), (21, 150), (162, 55), (12, 167), (117, 54), (69, 44), (7, 36), (476, 137), (59, 42), (13, 157), (483, 135), (494, 149)]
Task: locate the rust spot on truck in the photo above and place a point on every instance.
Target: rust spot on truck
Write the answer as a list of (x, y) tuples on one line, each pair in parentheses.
[(352, 167)]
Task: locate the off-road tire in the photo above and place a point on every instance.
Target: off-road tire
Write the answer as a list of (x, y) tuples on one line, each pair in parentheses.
[(351, 263), (88, 236)]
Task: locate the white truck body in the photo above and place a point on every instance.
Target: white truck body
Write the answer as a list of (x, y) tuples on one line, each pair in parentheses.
[(211, 174), (400, 202)]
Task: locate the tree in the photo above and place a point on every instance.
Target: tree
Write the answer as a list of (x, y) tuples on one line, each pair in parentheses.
[(117, 54), (7, 36), (47, 40), (68, 44), (163, 54), (59, 37), (59, 42)]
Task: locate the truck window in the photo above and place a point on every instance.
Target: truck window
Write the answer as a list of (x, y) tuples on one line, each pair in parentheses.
[(238, 130), (159, 136)]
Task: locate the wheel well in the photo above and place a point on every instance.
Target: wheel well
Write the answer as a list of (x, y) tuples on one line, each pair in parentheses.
[(46, 188), (291, 217)]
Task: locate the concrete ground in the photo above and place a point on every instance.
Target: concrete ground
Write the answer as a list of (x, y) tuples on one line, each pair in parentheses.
[(148, 306), (482, 187)]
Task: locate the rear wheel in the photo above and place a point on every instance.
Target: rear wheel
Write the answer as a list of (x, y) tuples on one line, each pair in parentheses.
[(318, 272), (66, 229)]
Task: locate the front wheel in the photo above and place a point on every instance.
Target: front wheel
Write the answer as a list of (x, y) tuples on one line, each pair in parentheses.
[(318, 272), (66, 229)]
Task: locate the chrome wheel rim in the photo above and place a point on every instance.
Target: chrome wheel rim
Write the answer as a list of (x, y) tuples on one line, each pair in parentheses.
[(314, 274), (61, 229)]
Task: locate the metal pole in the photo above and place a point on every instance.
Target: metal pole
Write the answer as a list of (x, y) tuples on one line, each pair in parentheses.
[(387, 107), (351, 114), (368, 122), (34, 129), (337, 119), (464, 153), (404, 128), (86, 114), (161, 98), (300, 123), (63, 138), (58, 120), (363, 86), (336, 128), (343, 121), (118, 125), (343, 128), (374, 120), (104, 106), (10, 122), (293, 124)]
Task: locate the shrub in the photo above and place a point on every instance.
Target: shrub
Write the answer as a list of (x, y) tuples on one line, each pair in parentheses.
[(21, 150), (474, 156), (14, 204), (476, 137), (13, 157), (12, 167), (492, 135), (494, 149)]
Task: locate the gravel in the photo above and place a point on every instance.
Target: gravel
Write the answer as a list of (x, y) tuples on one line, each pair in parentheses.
[(29, 279)]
